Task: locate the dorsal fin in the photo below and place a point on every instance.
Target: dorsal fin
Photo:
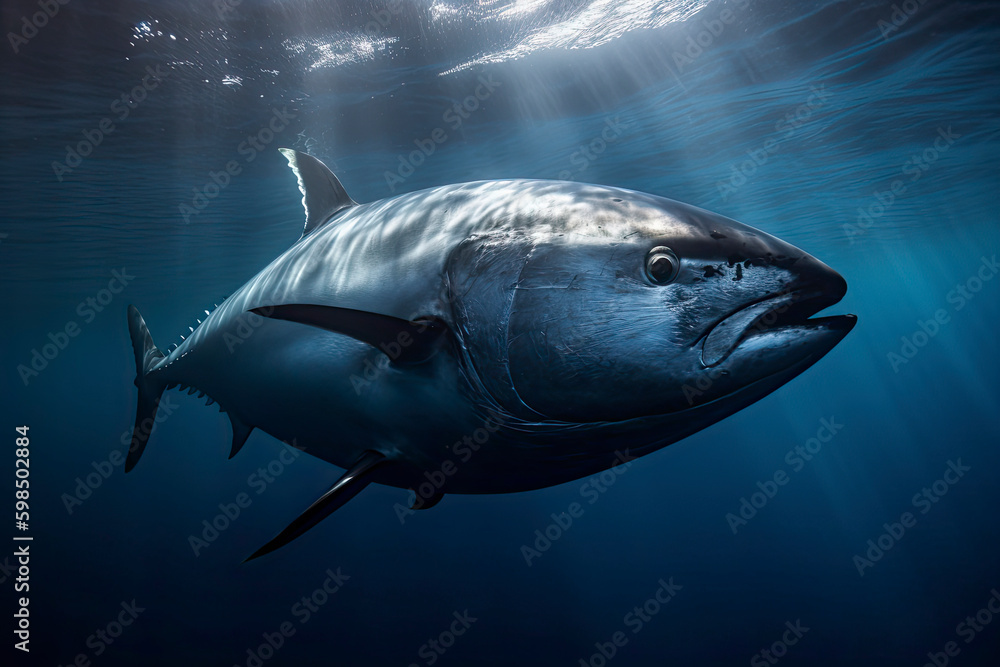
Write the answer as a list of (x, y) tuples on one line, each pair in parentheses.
[(322, 193)]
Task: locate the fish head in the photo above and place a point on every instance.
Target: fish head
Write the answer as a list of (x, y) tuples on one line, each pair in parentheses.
[(617, 305)]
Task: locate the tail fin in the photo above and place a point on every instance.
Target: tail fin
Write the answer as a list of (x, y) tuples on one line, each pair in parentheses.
[(146, 356)]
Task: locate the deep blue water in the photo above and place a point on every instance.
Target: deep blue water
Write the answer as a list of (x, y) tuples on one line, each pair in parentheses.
[(787, 116)]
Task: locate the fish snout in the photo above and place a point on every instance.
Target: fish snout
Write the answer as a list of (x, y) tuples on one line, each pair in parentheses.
[(818, 279), (817, 282)]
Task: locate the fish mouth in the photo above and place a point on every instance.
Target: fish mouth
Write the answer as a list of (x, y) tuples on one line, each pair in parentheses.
[(787, 311)]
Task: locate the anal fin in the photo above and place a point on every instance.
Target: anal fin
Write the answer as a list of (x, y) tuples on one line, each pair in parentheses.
[(349, 485), (421, 503), (240, 434)]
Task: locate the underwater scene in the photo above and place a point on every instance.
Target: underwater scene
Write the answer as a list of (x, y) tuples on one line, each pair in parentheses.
[(511, 332)]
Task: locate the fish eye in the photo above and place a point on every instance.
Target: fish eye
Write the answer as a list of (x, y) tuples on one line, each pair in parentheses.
[(662, 265)]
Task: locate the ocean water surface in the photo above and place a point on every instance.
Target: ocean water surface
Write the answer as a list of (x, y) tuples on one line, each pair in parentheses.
[(847, 518)]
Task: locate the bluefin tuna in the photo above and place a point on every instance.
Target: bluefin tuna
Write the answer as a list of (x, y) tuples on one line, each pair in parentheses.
[(495, 336)]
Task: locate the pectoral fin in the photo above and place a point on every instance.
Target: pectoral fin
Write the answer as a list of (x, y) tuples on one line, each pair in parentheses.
[(403, 341), (348, 486)]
